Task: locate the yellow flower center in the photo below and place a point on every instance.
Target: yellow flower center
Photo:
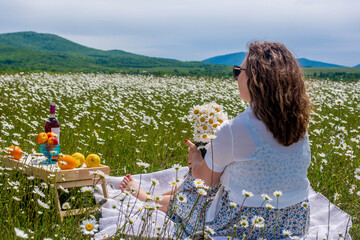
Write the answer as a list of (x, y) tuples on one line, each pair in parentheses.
[(204, 127), (212, 114), (202, 119), (220, 121), (89, 227), (196, 111), (204, 136), (211, 121), (215, 125), (217, 109)]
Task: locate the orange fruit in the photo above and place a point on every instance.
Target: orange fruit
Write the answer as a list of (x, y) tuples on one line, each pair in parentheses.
[(15, 152), (10, 150), (67, 162)]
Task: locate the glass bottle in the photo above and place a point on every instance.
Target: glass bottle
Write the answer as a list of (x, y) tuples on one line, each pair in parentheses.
[(53, 125)]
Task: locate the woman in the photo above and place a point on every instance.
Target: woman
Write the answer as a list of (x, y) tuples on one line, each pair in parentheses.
[(261, 155)]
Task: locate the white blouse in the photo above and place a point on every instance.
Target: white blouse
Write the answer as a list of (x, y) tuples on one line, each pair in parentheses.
[(251, 159)]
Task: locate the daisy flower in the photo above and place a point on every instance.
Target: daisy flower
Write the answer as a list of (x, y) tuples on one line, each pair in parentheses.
[(63, 189), (146, 120), (89, 227), (233, 204), (278, 193), (258, 221), (336, 196), (247, 194), (209, 230), (176, 166), (142, 164), (286, 233), (244, 223), (243, 217), (97, 172), (181, 198), (154, 181), (305, 205), (269, 206), (173, 183), (266, 197), (16, 198), (158, 197), (87, 189), (66, 205), (132, 189), (21, 234), (44, 205), (131, 220), (202, 192), (357, 173), (338, 101), (199, 183)]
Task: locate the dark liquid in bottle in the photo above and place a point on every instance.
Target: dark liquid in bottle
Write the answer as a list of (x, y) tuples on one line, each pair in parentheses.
[(51, 123)]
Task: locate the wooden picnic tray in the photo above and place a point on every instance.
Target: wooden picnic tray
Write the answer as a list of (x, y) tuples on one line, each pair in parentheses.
[(77, 177), (44, 172)]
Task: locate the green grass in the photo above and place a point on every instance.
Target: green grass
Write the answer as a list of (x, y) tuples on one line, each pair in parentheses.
[(103, 113)]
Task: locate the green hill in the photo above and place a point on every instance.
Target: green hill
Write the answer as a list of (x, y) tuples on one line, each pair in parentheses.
[(31, 51)]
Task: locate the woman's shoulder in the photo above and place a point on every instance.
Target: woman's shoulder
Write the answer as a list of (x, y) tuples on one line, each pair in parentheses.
[(239, 129), (242, 120)]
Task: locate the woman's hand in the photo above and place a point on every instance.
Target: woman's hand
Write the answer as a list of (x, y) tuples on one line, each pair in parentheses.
[(194, 155), (199, 168)]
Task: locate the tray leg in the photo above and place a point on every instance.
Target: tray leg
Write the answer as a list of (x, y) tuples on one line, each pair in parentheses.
[(58, 205), (104, 188)]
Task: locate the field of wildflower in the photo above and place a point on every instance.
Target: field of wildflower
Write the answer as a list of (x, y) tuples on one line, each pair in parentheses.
[(126, 119)]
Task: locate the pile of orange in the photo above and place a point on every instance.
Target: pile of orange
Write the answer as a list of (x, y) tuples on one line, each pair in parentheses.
[(15, 151)]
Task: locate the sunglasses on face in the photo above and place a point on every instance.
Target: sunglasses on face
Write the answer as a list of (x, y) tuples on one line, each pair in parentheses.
[(237, 71)]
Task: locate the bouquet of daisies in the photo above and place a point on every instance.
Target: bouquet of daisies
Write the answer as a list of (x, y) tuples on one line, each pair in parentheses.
[(205, 119)]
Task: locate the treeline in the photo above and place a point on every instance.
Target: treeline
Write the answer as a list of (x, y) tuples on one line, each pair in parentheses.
[(336, 76)]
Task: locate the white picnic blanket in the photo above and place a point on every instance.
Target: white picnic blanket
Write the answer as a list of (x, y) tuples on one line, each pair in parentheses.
[(112, 210)]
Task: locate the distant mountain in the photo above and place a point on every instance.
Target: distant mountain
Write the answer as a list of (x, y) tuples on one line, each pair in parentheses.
[(357, 66), (237, 59), (310, 63), (228, 59), (31, 51)]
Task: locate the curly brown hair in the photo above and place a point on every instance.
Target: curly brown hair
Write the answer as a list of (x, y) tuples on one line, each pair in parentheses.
[(277, 91)]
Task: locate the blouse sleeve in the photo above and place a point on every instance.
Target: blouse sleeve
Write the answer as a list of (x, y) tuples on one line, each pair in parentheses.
[(220, 152)]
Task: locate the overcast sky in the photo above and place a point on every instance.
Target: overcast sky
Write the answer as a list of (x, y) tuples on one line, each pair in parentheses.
[(322, 30)]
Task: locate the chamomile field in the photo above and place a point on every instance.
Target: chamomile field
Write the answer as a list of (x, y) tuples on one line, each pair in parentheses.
[(129, 118)]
